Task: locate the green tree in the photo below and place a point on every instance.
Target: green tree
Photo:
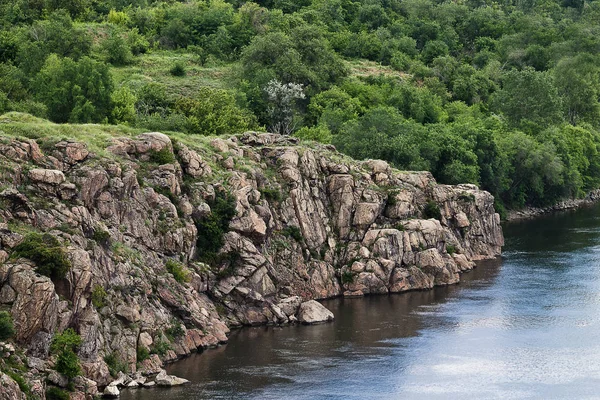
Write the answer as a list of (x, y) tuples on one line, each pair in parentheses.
[(578, 82), (529, 96), (55, 35), (214, 112), (75, 91), (123, 101)]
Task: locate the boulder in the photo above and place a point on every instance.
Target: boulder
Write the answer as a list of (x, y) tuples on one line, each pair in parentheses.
[(290, 305), (111, 391), (48, 176), (162, 379), (313, 312)]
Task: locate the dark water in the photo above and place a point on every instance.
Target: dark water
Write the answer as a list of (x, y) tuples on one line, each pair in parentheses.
[(526, 326)]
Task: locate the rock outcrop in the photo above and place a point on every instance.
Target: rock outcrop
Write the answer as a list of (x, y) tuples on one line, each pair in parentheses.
[(137, 220)]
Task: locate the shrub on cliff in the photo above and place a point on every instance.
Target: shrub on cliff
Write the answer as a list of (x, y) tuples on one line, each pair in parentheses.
[(212, 228), (7, 329), (64, 345), (46, 252), (54, 393), (179, 272), (432, 210)]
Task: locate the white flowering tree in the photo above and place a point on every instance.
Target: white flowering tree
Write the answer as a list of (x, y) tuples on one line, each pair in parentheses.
[(282, 99)]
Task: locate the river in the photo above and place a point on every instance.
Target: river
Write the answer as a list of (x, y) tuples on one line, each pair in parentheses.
[(524, 326)]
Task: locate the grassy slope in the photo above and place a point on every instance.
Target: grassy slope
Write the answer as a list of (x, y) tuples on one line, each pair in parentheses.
[(155, 67)]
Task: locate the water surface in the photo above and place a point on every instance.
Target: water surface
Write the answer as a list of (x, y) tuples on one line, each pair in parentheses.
[(525, 326)]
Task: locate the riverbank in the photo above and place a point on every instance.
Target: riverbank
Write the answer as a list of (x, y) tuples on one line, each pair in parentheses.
[(280, 223), (532, 212)]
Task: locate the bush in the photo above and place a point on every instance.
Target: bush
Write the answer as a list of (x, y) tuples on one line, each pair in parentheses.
[(142, 353), (161, 157), (271, 194), (117, 50), (65, 344), (347, 277), (98, 296), (123, 101), (54, 393), (46, 252), (68, 364), (7, 329), (101, 236), (293, 232), (178, 270), (214, 112), (212, 228), (74, 91), (178, 69), (175, 331), (161, 347), (450, 249), (432, 210), (114, 363)]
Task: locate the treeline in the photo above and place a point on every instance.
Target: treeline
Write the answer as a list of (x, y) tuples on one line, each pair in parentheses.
[(500, 94)]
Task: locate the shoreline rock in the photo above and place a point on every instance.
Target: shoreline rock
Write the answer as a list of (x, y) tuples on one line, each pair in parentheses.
[(532, 212)]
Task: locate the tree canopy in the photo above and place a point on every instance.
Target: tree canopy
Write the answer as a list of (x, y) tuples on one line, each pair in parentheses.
[(504, 95)]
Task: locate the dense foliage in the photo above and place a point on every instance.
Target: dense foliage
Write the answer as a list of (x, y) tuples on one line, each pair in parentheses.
[(501, 94)]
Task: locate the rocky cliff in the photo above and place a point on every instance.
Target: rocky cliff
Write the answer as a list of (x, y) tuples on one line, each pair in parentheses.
[(170, 244)]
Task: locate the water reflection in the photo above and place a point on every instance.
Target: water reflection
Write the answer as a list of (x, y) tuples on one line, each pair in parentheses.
[(527, 326)]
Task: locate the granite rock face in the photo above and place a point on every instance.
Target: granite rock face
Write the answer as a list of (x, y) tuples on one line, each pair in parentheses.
[(309, 224)]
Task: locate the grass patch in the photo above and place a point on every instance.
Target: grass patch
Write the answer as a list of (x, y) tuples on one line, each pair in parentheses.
[(20, 381), (97, 137), (399, 226), (178, 270), (156, 67)]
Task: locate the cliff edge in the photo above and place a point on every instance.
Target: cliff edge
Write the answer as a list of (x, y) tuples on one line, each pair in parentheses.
[(168, 244)]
